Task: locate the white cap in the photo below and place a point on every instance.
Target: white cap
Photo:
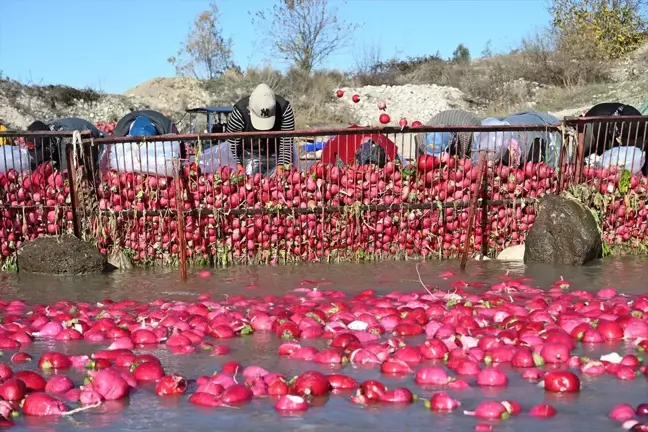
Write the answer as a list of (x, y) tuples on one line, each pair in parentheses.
[(263, 107)]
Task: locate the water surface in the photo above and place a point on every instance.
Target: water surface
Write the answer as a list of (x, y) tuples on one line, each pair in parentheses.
[(144, 411)]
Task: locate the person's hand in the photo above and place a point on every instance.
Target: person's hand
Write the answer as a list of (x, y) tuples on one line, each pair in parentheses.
[(279, 170), (239, 167)]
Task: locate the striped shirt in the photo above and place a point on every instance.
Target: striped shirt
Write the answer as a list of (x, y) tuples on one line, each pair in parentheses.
[(236, 123)]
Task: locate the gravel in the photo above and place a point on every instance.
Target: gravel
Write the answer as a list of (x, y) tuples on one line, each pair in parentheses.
[(413, 102)]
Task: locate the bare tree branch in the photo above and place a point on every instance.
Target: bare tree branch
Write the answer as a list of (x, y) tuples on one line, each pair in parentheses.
[(206, 53), (304, 32)]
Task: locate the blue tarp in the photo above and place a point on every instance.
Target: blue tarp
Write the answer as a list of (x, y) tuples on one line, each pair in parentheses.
[(142, 126)]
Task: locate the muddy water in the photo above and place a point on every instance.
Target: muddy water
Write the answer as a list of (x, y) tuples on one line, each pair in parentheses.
[(144, 412)]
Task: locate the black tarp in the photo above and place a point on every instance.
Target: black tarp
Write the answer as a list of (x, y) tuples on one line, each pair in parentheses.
[(73, 124), (603, 136)]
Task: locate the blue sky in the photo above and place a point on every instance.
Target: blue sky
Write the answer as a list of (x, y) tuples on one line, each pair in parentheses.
[(117, 44)]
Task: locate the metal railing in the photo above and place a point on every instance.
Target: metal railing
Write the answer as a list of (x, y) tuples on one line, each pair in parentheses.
[(184, 199)]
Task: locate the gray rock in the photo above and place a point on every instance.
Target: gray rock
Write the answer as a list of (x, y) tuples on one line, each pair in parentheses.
[(564, 232), (64, 254)]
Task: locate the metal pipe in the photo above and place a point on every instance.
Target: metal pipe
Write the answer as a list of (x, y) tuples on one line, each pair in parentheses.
[(332, 131)]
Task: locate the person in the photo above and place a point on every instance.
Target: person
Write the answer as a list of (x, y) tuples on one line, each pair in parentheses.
[(262, 110), (3, 128)]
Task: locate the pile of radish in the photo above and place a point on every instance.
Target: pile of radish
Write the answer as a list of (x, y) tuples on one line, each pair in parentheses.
[(441, 344), (284, 222), (106, 127)]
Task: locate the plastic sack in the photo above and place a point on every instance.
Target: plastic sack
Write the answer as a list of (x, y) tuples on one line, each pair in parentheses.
[(156, 158), (630, 158), (494, 143), (435, 143), (16, 158), (212, 159)]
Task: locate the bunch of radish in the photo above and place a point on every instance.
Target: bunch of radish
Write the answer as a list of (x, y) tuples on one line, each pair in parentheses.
[(38, 203)]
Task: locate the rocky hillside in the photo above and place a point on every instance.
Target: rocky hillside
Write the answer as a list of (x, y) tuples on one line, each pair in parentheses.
[(315, 106)]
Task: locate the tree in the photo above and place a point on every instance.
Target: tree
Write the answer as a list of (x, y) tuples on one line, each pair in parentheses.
[(461, 55), (206, 53), (487, 51), (304, 32), (616, 27)]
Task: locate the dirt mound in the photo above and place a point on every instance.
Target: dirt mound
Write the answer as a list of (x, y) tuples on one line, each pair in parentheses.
[(65, 254)]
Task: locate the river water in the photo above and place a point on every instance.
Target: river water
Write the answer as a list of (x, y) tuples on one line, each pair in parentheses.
[(144, 411)]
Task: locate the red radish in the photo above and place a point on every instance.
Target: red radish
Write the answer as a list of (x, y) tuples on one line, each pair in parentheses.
[(431, 376), (59, 384), (384, 118), (204, 274), (372, 389), (54, 360), (355, 98), (291, 404), (148, 371), (205, 399), (13, 389), (342, 382), (442, 402), (32, 380), (339, 93), (490, 410), (542, 411), (20, 357), (416, 124), (110, 384), (381, 105), (642, 410), (171, 385), (402, 123), (41, 404), (492, 377), (89, 397), (236, 394), (211, 387), (622, 412), (311, 383), (397, 396), (395, 367), (561, 382)]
